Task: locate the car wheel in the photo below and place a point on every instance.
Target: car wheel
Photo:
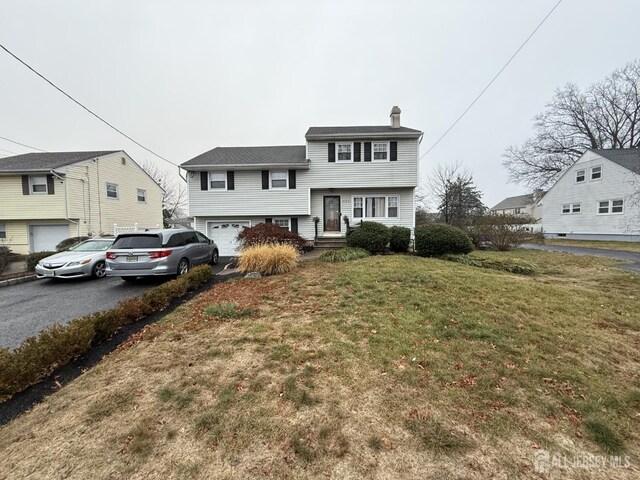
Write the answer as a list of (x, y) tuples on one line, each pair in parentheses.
[(129, 279), (214, 257), (183, 266), (99, 270)]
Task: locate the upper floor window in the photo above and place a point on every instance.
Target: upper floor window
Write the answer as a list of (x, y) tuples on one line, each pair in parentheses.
[(282, 222), (38, 184), (580, 176), (279, 179), (571, 208), (381, 152), (3, 231), (344, 152), (112, 190), (596, 173), (517, 210), (217, 180), (142, 195), (610, 206)]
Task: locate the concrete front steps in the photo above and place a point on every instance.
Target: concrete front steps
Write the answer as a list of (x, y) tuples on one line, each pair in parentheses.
[(330, 243)]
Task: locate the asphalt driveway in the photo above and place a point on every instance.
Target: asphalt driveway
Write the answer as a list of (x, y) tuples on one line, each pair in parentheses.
[(27, 308), (632, 258)]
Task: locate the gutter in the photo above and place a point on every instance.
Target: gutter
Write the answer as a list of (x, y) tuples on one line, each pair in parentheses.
[(253, 166)]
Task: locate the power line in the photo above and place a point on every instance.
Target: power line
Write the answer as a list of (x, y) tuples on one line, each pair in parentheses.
[(22, 144), (86, 108), (495, 77), (9, 151)]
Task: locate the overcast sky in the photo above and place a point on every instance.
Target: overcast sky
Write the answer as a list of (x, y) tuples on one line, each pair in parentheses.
[(185, 76)]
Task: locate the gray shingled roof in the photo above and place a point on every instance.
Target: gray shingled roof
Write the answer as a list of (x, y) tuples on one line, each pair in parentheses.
[(382, 130), (45, 161), (241, 156), (514, 202), (628, 158)]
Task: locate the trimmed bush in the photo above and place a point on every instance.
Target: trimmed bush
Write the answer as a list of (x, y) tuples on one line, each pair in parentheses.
[(70, 242), (59, 344), (269, 259), (371, 236), (510, 265), (5, 253), (399, 239), (34, 258), (269, 233), (344, 255), (438, 239)]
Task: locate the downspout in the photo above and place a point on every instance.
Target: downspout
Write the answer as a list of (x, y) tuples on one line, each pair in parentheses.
[(66, 206)]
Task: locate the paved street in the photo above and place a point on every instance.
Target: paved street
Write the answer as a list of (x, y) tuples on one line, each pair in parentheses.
[(27, 308), (633, 258)]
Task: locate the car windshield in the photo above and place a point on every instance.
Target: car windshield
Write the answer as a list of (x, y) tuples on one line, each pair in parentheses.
[(93, 246), (138, 241)]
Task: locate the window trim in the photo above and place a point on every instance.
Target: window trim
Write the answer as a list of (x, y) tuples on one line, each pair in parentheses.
[(214, 189), (338, 152), (591, 179), (373, 152), (584, 175), (31, 184), (117, 197), (144, 195), (571, 208), (3, 231), (609, 206), (364, 206), (274, 220), (286, 179)]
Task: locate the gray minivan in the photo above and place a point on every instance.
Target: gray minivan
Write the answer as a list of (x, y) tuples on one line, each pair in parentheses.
[(160, 252)]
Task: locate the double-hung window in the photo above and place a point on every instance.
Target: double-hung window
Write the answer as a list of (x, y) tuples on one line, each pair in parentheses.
[(282, 222), (142, 195), (610, 206), (357, 207), (279, 179), (375, 207), (38, 184), (344, 152), (380, 152), (112, 190), (217, 180), (3, 231), (571, 208), (617, 206), (596, 173), (580, 176), (393, 207)]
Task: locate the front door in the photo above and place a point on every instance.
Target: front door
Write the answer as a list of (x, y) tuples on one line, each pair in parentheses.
[(332, 214)]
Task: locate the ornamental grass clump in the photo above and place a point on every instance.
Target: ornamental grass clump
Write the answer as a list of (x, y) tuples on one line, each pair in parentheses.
[(268, 259)]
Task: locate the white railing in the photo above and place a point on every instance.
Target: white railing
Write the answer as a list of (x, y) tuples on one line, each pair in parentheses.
[(117, 230)]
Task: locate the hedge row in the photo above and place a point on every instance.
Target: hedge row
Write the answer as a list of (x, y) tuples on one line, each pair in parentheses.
[(59, 344), (34, 258)]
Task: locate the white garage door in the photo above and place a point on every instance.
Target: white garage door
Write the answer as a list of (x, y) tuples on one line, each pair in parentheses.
[(224, 234), (46, 237)]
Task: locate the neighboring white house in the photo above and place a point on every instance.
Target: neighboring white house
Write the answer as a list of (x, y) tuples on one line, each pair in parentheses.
[(364, 173), (50, 196), (596, 198), (520, 205)]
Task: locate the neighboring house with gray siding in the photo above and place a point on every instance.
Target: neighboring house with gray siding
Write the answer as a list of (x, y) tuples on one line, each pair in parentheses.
[(525, 205), (364, 173), (596, 198)]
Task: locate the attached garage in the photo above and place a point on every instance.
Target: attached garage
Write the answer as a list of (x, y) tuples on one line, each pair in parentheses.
[(225, 235), (46, 237)]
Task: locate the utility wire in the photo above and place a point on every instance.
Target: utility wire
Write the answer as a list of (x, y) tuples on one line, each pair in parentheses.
[(86, 108), (495, 77), (9, 151), (21, 144)]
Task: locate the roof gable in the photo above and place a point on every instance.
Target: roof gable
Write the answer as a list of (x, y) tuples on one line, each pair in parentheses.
[(45, 161)]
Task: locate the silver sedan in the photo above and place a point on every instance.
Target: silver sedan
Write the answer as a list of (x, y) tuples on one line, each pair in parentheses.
[(87, 259)]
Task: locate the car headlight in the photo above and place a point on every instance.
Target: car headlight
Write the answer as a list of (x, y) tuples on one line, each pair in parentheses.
[(78, 262)]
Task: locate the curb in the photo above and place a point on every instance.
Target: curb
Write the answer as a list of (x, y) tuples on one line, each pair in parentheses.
[(16, 281)]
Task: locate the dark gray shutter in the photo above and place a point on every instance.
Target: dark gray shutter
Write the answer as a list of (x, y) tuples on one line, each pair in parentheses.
[(231, 184), (51, 188), (394, 151), (268, 220), (204, 180), (367, 151), (292, 179), (25, 185), (294, 224), (356, 151), (265, 179), (332, 152)]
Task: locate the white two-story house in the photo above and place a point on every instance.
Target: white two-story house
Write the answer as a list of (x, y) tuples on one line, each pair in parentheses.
[(596, 198), (362, 173)]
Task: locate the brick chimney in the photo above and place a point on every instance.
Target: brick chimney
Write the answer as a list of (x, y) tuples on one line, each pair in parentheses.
[(395, 117)]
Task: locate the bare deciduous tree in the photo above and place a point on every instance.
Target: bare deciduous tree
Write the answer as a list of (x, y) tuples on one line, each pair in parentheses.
[(458, 199), (606, 115), (174, 198)]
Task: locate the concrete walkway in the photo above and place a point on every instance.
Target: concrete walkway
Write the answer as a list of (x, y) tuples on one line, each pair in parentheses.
[(633, 258)]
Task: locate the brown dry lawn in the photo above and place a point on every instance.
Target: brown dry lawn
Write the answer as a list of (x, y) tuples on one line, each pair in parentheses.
[(385, 367)]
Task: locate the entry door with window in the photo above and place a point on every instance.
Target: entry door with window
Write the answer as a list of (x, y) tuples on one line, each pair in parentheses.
[(332, 214)]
